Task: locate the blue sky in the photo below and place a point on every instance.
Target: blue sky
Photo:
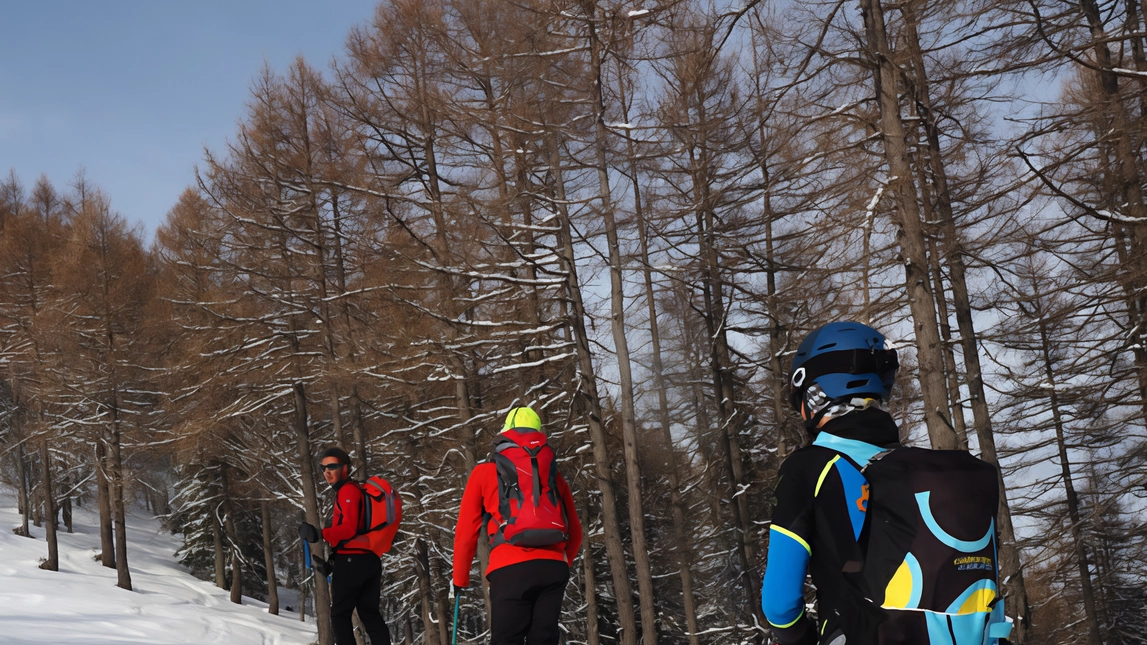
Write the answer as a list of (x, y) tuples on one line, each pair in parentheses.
[(132, 90)]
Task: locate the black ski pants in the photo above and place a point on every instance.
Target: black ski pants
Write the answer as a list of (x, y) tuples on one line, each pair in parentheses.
[(526, 602), (356, 579)]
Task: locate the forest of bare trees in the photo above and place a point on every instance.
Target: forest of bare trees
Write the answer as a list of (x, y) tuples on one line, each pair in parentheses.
[(625, 214)]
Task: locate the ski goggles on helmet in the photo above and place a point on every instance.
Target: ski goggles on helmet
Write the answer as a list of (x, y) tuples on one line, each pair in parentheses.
[(881, 362)]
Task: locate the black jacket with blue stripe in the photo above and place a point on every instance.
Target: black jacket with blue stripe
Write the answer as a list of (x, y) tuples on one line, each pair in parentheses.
[(819, 507)]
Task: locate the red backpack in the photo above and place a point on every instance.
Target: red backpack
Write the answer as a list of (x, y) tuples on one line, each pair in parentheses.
[(381, 515), (532, 511)]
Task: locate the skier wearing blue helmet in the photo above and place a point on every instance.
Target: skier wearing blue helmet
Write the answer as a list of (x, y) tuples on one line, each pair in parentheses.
[(900, 542), (841, 376)]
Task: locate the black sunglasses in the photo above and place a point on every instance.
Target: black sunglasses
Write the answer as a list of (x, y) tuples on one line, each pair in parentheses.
[(334, 466)]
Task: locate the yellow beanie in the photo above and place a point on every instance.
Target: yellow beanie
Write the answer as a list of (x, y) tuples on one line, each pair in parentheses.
[(522, 418)]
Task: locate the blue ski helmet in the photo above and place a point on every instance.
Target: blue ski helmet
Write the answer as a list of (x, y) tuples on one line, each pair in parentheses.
[(847, 360)]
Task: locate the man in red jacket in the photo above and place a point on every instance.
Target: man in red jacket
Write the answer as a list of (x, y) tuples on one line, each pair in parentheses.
[(356, 572), (531, 556)]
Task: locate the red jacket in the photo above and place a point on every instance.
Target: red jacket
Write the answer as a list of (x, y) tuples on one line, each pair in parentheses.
[(481, 496), (346, 520)]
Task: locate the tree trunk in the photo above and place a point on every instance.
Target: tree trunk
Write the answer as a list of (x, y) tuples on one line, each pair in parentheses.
[(484, 563), (359, 629), (703, 425), (621, 345), (434, 630), (525, 198), (588, 396), (119, 512), (910, 229), (103, 501), (1089, 605), (1127, 173), (22, 500), (337, 422), (730, 417), (778, 379), (303, 586), (217, 535), (358, 451), (53, 561), (450, 288), (441, 597), (269, 560), (37, 503), (1011, 569), (592, 635), (311, 506), (469, 453), (959, 423), (66, 509), (947, 352), (361, 459), (683, 547), (232, 538), (407, 631), (1133, 27)]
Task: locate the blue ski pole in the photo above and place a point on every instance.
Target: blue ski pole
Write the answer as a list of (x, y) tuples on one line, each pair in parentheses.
[(454, 638), (307, 557)]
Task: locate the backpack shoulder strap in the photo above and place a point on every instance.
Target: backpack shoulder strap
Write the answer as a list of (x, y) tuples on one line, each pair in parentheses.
[(503, 443), (362, 508), (878, 456), (507, 479), (858, 452)]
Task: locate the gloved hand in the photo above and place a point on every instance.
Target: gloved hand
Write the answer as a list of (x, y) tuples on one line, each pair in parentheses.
[(456, 591), (308, 532), (320, 565), (802, 632)]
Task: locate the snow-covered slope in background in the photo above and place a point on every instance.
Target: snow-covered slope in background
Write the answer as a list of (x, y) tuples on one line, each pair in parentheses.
[(80, 604)]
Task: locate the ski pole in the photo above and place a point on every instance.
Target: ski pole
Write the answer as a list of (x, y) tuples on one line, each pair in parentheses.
[(454, 638)]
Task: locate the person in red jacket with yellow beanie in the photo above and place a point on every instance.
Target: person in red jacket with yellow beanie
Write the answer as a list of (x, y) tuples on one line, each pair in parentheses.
[(534, 531)]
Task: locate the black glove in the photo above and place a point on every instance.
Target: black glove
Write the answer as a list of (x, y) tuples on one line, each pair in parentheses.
[(802, 632), (320, 565), (457, 590), (308, 532)]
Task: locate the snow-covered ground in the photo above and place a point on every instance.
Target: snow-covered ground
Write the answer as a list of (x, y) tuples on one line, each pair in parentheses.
[(80, 604)]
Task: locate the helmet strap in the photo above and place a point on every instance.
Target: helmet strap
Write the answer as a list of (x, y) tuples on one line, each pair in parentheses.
[(811, 424)]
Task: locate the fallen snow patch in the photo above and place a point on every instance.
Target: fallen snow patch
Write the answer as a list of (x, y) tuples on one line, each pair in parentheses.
[(81, 605)]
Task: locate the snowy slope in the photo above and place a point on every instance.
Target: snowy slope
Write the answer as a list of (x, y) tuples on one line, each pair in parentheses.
[(80, 604)]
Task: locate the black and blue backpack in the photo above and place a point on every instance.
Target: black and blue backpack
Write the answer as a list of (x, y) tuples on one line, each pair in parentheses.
[(930, 548)]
